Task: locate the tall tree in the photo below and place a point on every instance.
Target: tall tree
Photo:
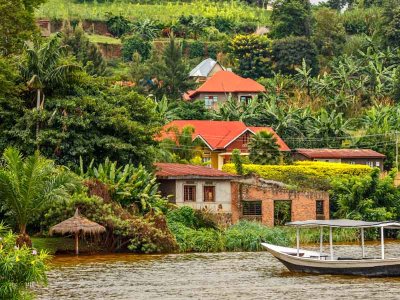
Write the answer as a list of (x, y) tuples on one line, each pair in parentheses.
[(173, 73), (329, 33), (86, 52), (391, 23), (291, 17), (44, 67), (264, 149), (27, 184), (17, 25), (289, 54), (252, 54)]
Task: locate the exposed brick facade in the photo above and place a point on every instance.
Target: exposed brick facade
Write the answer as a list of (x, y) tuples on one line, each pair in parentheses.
[(303, 203)]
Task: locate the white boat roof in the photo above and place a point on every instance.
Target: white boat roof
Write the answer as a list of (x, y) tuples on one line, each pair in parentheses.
[(344, 223), (203, 68)]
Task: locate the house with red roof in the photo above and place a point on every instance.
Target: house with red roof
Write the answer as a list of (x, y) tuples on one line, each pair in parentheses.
[(225, 84), (219, 138), (195, 186), (350, 156)]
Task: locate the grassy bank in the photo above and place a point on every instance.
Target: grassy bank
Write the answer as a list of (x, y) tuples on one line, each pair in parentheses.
[(55, 245), (163, 12)]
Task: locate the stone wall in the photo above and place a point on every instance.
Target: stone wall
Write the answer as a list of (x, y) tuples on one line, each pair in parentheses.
[(303, 203)]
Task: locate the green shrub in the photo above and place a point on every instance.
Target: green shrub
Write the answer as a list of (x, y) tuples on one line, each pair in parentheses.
[(305, 175), (19, 267), (248, 236), (118, 25), (192, 218), (135, 44)]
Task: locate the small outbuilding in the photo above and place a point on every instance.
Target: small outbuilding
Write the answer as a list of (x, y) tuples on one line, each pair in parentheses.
[(195, 186), (350, 156)]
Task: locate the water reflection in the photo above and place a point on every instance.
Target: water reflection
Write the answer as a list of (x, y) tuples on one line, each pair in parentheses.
[(207, 276)]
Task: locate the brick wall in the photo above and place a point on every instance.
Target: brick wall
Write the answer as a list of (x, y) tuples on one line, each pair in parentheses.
[(303, 204)]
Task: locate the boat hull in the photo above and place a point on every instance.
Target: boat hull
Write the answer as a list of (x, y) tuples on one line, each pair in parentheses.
[(376, 271), (365, 267)]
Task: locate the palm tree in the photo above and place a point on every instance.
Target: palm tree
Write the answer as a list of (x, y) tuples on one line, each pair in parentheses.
[(264, 149), (44, 67), (27, 184)]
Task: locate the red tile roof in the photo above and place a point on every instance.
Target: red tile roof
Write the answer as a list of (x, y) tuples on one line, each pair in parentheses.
[(340, 153), (218, 134), (172, 170), (228, 82)]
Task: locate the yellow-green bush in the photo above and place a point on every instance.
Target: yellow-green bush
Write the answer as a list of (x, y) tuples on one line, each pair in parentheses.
[(306, 174)]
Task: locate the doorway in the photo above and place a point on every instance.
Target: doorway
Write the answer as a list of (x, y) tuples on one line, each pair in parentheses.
[(282, 212)]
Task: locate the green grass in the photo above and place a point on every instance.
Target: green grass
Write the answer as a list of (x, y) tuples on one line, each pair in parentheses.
[(63, 244), (162, 12), (102, 39)]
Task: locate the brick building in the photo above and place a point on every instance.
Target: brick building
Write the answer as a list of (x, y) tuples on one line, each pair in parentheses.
[(272, 203), (251, 198)]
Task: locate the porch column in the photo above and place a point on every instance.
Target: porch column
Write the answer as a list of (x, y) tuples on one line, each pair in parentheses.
[(382, 243), (362, 242), (220, 161), (321, 240), (331, 242)]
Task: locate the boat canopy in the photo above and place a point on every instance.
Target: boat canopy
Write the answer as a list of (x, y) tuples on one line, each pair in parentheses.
[(344, 223)]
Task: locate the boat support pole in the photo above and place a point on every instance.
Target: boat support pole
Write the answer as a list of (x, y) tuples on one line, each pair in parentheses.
[(321, 240), (298, 241), (362, 242), (382, 243), (331, 242)]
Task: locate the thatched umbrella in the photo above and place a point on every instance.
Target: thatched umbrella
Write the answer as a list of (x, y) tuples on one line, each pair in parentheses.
[(76, 225)]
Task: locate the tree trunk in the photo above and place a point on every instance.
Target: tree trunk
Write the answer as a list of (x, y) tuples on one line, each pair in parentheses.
[(39, 107), (23, 238)]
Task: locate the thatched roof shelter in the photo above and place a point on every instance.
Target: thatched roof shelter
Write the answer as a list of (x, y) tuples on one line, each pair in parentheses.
[(77, 225)]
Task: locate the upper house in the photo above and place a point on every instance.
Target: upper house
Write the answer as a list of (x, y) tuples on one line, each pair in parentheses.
[(225, 84), (220, 138), (206, 69), (350, 156)]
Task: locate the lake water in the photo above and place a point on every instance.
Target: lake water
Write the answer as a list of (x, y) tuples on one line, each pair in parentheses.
[(207, 276)]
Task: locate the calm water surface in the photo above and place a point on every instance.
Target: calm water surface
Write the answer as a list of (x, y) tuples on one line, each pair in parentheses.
[(207, 276)]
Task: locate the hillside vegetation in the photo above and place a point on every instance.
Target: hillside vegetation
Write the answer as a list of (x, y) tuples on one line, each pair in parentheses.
[(160, 11)]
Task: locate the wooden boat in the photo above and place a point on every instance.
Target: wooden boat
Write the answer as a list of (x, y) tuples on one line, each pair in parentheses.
[(299, 260)]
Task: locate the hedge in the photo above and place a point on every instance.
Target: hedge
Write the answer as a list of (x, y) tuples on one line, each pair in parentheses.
[(306, 174)]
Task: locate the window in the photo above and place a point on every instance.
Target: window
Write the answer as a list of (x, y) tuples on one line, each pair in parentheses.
[(246, 139), (251, 208), (370, 163), (207, 161), (209, 193), (319, 209), (377, 164), (189, 193), (246, 99), (210, 100)]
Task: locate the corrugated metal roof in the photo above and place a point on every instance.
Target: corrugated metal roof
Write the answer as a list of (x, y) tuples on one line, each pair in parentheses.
[(340, 153), (203, 69)]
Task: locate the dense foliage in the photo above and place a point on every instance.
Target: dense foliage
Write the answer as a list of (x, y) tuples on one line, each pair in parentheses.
[(303, 175), (28, 184), (19, 267)]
